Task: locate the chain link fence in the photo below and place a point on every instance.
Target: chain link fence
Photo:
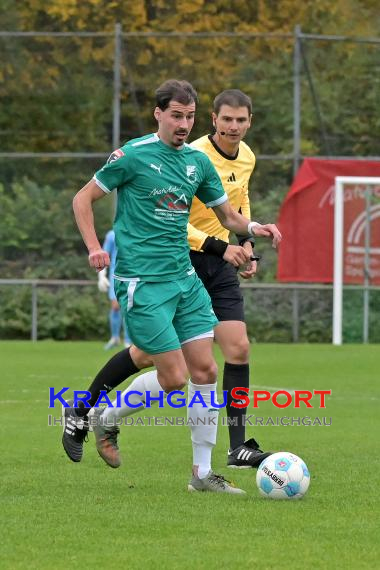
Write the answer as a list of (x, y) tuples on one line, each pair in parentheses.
[(75, 95), (74, 309)]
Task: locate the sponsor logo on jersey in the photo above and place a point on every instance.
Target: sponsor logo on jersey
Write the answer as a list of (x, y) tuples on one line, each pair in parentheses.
[(171, 202), (231, 178), (160, 191), (118, 153)]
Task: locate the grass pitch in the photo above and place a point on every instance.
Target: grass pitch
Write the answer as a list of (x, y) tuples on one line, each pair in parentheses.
[(56, 514)]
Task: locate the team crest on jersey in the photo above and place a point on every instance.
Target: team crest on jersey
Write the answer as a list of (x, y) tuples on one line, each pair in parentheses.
[(118, 153), (190, 172)]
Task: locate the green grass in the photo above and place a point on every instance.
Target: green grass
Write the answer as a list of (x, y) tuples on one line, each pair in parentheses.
[(55, 514)]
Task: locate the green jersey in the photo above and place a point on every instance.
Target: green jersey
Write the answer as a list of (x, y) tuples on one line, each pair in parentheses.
[(155, 186)]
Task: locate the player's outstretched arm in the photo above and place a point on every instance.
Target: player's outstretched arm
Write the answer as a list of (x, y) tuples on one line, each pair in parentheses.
[(84, 217), (237, 223)]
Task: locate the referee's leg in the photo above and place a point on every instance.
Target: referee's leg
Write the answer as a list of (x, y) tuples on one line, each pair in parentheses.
[(233, 341)]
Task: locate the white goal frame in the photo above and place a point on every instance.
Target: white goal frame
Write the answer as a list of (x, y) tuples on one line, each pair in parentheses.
[(338, 248)]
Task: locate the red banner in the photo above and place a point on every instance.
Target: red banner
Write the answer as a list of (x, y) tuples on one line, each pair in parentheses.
[(307, 223)]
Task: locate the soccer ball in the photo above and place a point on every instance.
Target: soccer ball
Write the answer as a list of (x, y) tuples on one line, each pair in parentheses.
[(283, 475)]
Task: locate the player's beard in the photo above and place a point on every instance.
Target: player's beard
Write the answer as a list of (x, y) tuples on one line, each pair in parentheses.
[(182, 140)]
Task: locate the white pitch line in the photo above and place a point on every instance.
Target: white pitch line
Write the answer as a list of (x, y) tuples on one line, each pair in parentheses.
[(42, 376), (275, 388), (22, 401)]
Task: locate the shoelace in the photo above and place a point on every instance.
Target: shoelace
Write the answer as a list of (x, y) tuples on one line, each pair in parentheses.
[(220, 480), (81, 435), (253, 445), (247, 448), (111, 436)]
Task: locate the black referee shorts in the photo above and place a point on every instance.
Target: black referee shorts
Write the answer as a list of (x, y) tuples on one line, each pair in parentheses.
[(221, 281)]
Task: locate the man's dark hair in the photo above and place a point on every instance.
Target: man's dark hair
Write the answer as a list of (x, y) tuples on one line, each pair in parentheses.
[(175, 90), (232, 98)]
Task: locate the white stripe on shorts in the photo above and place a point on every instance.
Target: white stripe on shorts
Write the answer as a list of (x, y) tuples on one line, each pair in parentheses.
[(126, 278), (130, 292), (209, 334)]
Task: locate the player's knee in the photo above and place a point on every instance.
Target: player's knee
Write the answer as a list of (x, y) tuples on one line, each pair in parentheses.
[(238, 351), (174, 380), (141, 359), (205, 373)]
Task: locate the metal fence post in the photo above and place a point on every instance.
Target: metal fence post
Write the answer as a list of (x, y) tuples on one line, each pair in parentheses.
[(367, 264), (34, 332), (296, 99), (295, 315), (116, 88), (116, 114)]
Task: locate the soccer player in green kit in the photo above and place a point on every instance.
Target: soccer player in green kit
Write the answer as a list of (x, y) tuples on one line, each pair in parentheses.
[(167, 310)]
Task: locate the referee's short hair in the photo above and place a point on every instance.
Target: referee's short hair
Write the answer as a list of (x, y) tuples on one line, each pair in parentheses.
[(232, 98), (175, 90)]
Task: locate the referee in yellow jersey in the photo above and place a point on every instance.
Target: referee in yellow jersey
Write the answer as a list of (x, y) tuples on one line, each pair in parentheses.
[(213, 257)]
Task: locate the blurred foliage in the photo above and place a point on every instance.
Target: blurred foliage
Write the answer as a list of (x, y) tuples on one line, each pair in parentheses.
[(78, 313), (269, 315), (38, 236), (56, 92)]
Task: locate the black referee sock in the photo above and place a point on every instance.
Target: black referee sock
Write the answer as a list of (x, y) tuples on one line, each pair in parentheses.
[(117, 369), (235, 375)]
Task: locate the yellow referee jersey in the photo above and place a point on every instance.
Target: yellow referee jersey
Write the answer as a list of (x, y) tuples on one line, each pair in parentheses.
[(235, 174)]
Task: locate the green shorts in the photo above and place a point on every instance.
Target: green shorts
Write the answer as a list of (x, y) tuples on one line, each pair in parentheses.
[(162, 316)]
